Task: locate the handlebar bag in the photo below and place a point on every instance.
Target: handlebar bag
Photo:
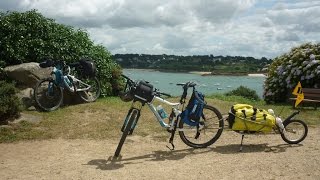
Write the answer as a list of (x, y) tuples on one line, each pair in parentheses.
[(143, 92), (88, 68), (194, 110), (244, 117)]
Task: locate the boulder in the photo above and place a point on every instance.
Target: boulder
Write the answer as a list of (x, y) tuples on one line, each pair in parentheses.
[(27, 74), (26, 96)]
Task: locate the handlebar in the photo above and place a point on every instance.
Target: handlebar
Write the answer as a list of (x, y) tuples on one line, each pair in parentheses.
[(48, 62), (52, 63), (127, 78), (157, 93), (185, 87), (187, 84)]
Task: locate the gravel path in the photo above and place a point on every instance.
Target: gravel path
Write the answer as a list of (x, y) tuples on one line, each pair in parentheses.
[(263, 157)]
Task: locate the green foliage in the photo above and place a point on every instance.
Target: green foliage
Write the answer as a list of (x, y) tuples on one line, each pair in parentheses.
[(10, 105), (300, 64), (29, 37), (244, 92)]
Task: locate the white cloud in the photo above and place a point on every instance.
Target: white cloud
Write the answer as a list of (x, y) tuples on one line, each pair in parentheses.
[(184, 27)]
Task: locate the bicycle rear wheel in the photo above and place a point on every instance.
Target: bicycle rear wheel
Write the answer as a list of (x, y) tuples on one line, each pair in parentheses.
[(210, 129), (48, 95), (92, 93), (295, 131)]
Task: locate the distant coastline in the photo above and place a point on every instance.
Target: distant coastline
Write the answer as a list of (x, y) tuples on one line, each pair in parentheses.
[(204, 73)]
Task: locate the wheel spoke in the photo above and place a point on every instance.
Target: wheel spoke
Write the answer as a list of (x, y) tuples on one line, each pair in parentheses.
[(48, 95), (210, 129), (295, 132)]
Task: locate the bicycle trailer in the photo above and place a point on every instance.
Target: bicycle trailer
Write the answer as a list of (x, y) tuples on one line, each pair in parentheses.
[(244, 117)]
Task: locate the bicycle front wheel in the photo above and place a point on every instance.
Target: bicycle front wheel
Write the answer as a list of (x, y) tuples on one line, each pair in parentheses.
[(48, 95), (127, 127), (91, 94), (210, 128), (295, 131)]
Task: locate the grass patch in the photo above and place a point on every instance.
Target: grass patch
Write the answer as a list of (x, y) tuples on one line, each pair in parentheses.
[(103, 120)]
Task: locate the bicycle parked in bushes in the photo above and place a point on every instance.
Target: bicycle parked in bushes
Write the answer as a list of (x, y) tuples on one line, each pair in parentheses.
[(199, 124), (48, 92)]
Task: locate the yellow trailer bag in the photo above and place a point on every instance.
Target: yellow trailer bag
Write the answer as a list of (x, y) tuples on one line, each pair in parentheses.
[(244, 117)]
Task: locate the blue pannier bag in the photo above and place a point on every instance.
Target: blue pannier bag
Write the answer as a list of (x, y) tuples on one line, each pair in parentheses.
[(194, 110)]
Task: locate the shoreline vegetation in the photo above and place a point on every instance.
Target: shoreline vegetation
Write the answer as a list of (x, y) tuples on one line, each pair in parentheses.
[(206, 73), (205, 65)]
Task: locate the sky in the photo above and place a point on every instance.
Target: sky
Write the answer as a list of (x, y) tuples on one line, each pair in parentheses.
[(257, 28)]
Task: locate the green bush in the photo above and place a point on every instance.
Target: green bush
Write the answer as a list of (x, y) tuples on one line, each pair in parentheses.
[(300, 64), (244, 92), (10, 105), (29, 37)]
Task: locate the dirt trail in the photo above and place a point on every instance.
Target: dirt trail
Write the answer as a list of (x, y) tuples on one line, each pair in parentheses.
[(263, 157)]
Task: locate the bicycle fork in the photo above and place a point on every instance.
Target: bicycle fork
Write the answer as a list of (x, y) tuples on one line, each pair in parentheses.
[(133, 114), (128, 126)]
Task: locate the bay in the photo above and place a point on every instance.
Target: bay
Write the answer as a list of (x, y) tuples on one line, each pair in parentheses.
[(166, 81)]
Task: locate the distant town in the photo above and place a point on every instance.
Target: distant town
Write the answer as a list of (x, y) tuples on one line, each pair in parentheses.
[(208, 63)]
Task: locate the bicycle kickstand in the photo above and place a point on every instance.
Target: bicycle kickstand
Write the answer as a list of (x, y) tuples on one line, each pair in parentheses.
[(171, 139), (171, 145), (241, 142)]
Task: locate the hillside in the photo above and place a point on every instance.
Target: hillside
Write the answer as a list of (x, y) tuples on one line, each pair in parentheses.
[(215, 64)]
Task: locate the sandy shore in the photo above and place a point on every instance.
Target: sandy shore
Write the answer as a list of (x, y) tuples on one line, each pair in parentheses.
[(201, 72), (204, 73), (257, 75)]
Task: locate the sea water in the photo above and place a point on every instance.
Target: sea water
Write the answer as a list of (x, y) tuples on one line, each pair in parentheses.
[(166, 81)]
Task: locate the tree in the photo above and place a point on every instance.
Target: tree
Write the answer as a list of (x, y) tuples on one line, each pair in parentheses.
[(29, 37)]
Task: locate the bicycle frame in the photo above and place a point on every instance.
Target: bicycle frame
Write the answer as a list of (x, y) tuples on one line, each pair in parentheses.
[(65, 81), (175, 110)]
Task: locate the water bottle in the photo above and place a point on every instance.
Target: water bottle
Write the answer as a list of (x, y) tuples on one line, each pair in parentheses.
[(280, 124), (161, 112), (270, 111)]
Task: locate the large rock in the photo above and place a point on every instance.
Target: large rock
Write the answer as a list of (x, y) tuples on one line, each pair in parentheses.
[(27, 74), (26, 96)]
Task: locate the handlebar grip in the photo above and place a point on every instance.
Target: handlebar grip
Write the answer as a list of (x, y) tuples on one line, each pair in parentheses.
[(166, 94), (187, 85)]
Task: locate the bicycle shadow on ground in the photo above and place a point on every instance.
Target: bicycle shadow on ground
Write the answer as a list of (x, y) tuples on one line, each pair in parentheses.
[(113, 163), (251, 148)]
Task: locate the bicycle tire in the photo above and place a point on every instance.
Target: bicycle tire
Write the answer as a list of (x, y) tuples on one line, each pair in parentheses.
[(126, 132), (292, 128), (45, 100), (218, 123), (93, 93)]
